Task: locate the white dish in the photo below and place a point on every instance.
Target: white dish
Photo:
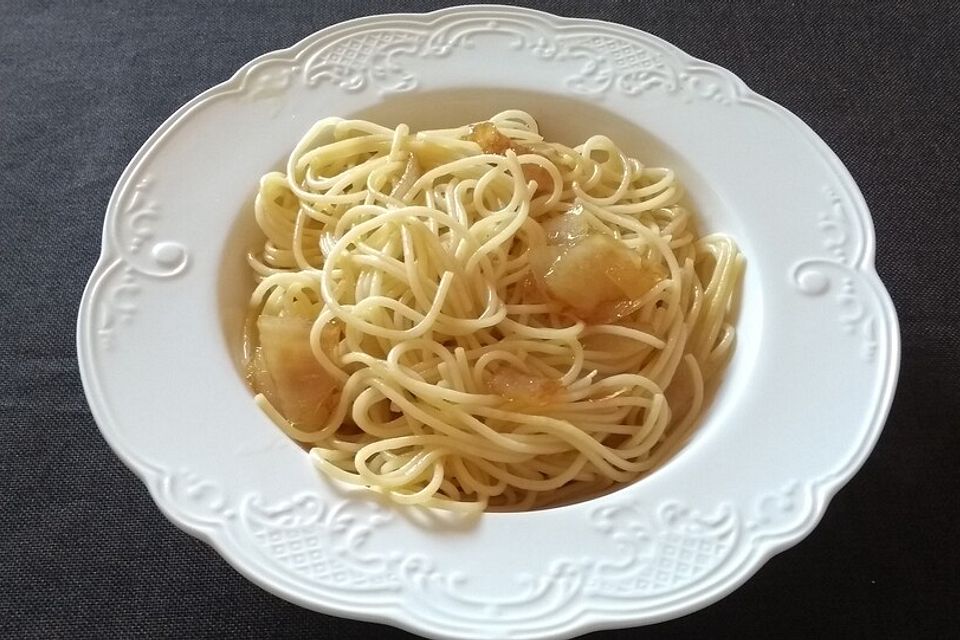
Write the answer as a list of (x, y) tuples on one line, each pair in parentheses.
[(798, 411)]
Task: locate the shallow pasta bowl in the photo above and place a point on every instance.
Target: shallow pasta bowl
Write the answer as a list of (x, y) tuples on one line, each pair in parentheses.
[(799, 408)]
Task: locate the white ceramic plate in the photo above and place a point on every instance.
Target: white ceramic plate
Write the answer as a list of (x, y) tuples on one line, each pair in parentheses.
[(800, 407)]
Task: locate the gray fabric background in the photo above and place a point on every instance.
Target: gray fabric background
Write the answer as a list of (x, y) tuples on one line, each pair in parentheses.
[(83, 550)]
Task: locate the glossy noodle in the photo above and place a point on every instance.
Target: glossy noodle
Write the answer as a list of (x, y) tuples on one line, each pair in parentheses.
[(474, 318)]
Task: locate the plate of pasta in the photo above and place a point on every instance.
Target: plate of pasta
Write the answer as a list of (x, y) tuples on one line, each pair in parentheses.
[(487, 323)]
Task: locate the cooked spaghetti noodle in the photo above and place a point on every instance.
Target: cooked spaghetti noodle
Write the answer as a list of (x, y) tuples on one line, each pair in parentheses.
[(474, 318)]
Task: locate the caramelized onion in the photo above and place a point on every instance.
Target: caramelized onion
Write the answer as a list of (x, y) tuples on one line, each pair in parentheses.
[(596, 277), (519, 386), (491, 140), (285, 370)]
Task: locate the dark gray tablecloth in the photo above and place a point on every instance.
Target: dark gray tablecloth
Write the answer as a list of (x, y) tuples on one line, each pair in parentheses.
[(84, 551)]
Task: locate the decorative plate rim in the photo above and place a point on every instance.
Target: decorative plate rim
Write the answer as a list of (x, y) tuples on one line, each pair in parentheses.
[(164, 484)]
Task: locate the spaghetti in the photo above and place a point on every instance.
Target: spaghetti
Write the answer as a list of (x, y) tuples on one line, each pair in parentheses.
[(474, 318)]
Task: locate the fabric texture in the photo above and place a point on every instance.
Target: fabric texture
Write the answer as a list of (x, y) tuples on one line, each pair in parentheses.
[(85, 553)]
